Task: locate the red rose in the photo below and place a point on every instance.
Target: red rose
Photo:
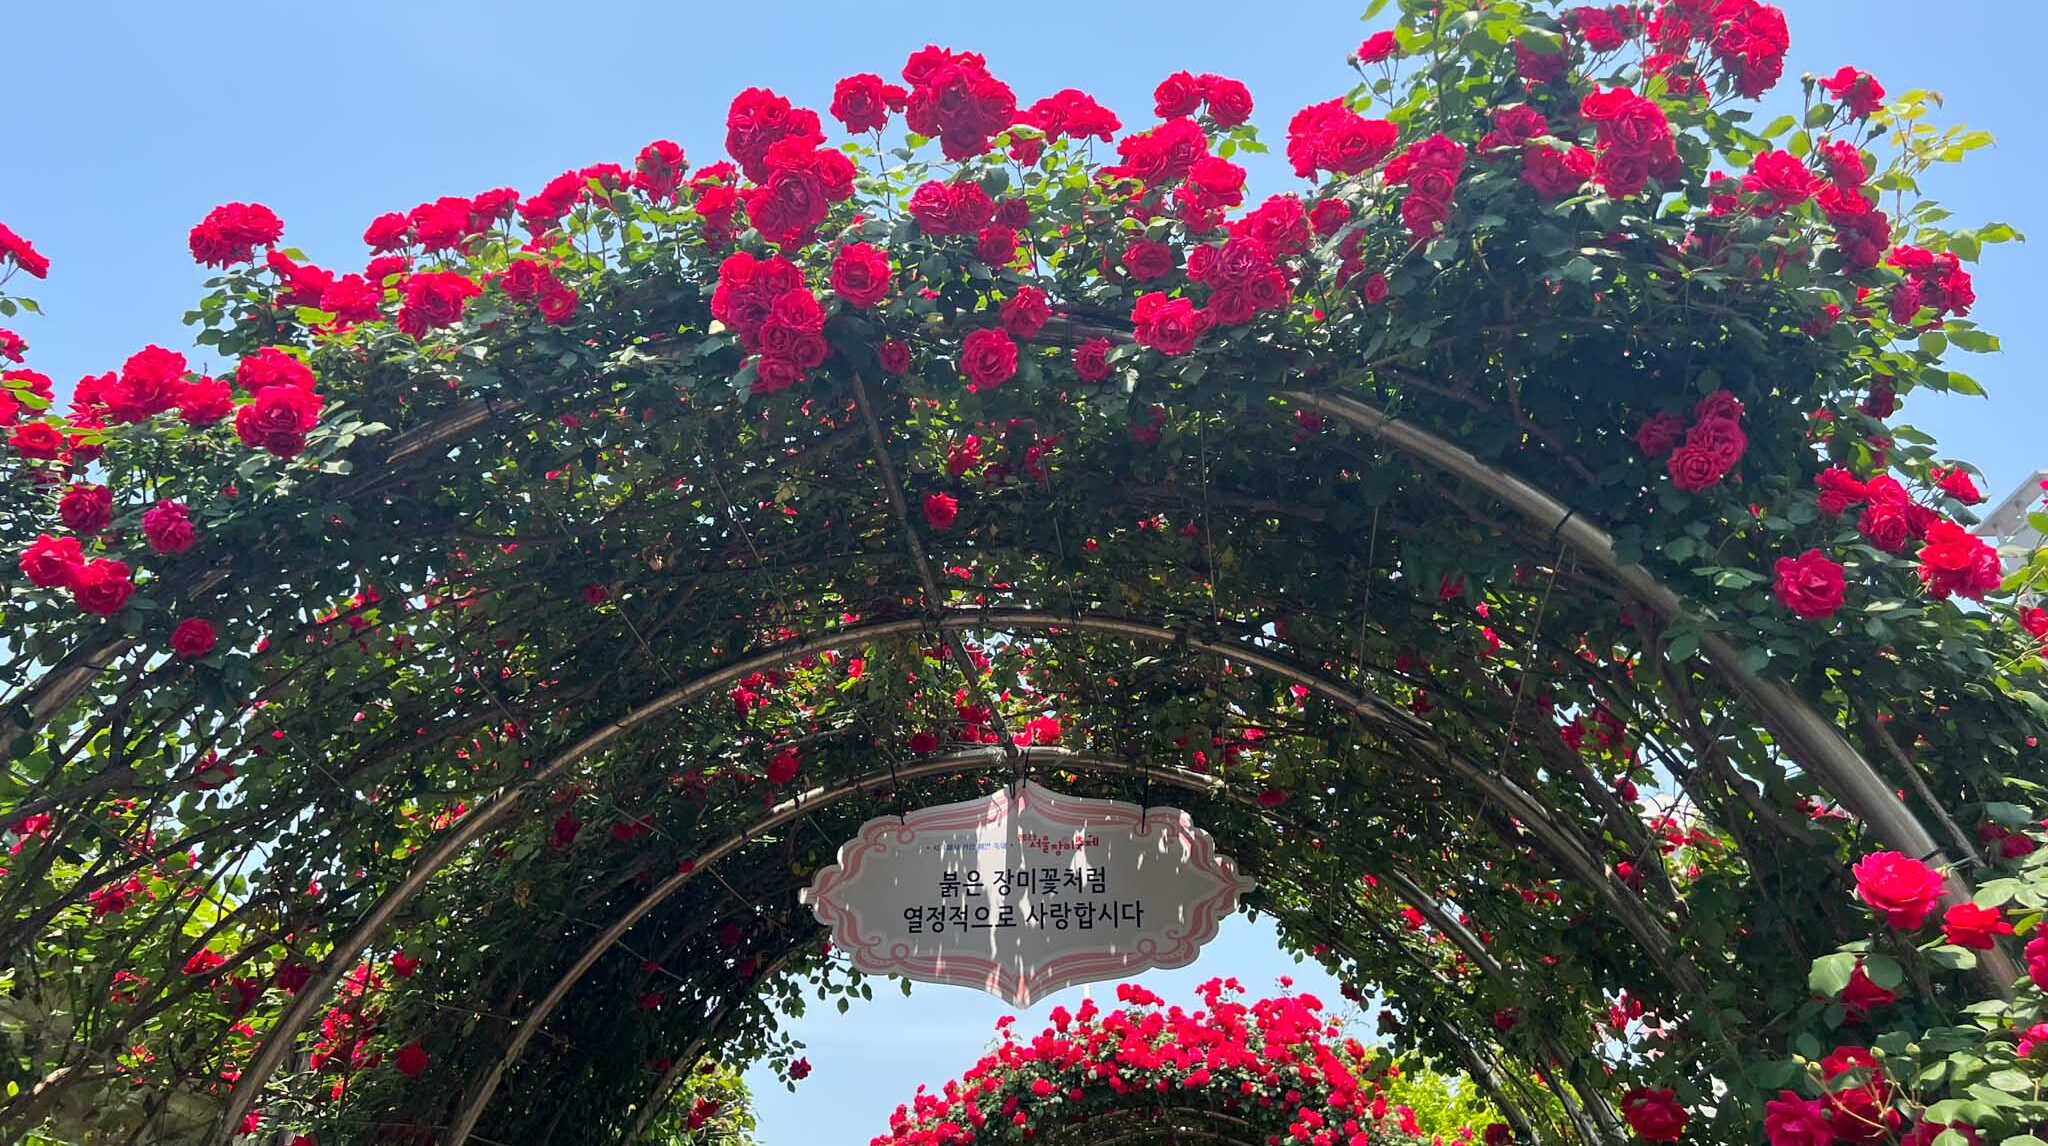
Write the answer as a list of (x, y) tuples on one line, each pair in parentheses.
[(434, 299), (1147, 260), (1968, 925), (1956, 561), (1782, 177), (1839, 490), (1376, 289), (1858, 92), (525, 279), (757, 120), (774, 374), (1091, 360), (922, 742), (1654, 1115), (1377, 47), (1719, 404), (22, 253), (1886, 525), (1230, 307), (1327, 216), (996, 245), (1899, 887), (1790, 1120), (657, 171), (940, 509), (1169, 326), (205, 401), (1958, 484), (894, 355), (964, 457), (278, 420), (1862, 995), (168, 526), (231, 232), (1177, 95), (37, 441), (192, 638), (784, 766), (988, 359), (863, 102), (52, 562), (1810, 584), (1693, 469), (788, 205), (1026, 312), (1659, 434), (947, 209), (269, 367), (388, 232), (1720, 438), (860, 275), (1555, 174), (86, 508), (557, 304), (1230, 102), (411, 1059), (102, 586)]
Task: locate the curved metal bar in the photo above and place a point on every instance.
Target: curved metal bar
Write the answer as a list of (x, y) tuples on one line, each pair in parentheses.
[(1815, 742), (1403, 885), (976, 760), (1395, 721)]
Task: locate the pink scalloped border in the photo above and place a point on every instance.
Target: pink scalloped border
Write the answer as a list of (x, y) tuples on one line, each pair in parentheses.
[(878, 836)]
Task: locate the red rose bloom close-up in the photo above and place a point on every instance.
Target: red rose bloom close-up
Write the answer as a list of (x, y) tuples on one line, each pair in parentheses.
[(894, 355), (1091, 360), (1026, 312), (86, 508), (168, 526), (1810, 584), (102, 586), (52, 562), (988, 358), (1654, 1114), (192, 638), (1900, 888), (231, 232), (1169, 326), (22, 253), (860, 275), (278, 420), (1378, 47), (940, 509), (434, 299), (1969, 925)]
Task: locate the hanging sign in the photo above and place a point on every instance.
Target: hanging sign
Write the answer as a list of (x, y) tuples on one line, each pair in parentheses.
[(1026, 891)]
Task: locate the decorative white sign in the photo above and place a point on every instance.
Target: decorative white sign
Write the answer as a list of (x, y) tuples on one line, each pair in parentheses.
[(1026, 891)]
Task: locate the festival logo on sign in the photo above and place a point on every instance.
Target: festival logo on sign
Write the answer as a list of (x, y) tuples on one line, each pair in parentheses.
[(1026, 891)]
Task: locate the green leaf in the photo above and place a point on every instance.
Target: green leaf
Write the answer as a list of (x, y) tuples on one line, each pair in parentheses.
[(1884, 971), (1952, 958), (1830, 974)]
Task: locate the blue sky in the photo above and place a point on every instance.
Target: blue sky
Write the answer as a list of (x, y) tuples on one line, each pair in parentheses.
[(129, 121)]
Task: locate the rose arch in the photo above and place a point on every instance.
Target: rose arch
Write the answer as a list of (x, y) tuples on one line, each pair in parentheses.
[(1503, 542)]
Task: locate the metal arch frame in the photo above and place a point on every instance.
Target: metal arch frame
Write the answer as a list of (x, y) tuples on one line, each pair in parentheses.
[(1395, 721), (1815, 742), (983, 759)]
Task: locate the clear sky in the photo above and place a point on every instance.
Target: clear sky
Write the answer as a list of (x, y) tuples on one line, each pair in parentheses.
[(127, 121)]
